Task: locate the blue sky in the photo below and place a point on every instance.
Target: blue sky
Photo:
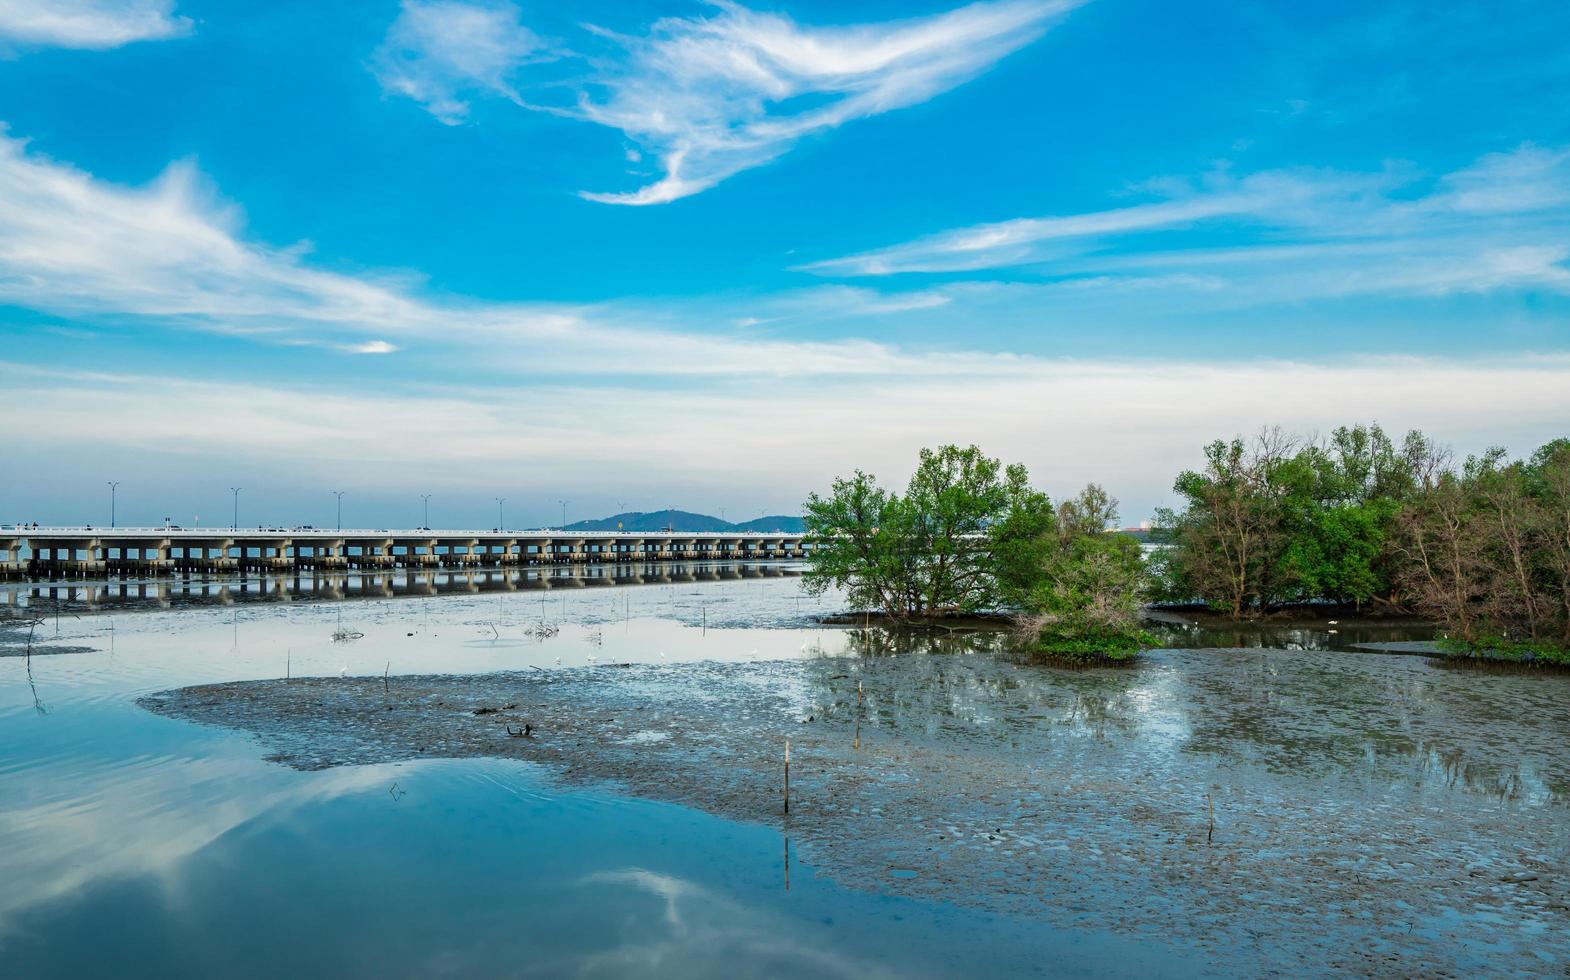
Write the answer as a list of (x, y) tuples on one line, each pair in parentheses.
[(709, 255)]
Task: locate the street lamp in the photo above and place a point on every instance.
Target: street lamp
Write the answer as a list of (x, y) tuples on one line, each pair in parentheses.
[(113, 485), (236, 491), (339, 494), (501, 524), (564, 504), (426, 525)]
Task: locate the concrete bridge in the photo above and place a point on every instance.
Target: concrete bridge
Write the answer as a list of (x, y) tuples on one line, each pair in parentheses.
[(73, 551)]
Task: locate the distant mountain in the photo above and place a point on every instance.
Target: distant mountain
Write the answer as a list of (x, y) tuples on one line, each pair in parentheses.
[(681, 520), (779, 522)]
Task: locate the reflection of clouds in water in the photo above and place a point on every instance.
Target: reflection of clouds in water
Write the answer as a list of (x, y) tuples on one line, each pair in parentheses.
[(1154, 701), (67, 831), (699, 932)]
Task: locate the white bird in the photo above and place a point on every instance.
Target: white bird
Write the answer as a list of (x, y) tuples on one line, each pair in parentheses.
[(558, 661), (343, 671), (1335, 622), (662, 654)]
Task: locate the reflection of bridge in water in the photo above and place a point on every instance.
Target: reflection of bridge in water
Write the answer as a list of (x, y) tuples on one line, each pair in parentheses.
[(164, 593)]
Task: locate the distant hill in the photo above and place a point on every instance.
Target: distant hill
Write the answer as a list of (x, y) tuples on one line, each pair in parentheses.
[(778, 522), (681, 520)]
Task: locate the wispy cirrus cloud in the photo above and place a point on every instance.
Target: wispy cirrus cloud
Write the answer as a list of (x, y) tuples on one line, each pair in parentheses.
[(439, 51), (711, 97), (1500, 222), (172, 252), (88, 24), (71, 244), (708, 97)]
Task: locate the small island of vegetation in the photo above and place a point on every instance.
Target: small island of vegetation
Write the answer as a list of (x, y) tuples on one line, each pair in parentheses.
[(1276, 523), (970, 535)]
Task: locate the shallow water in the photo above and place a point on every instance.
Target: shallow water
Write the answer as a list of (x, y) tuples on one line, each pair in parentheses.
[(1373, 813), (142, 845)]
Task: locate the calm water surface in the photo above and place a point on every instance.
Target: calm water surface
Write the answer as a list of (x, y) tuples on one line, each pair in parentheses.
[(139, 845)]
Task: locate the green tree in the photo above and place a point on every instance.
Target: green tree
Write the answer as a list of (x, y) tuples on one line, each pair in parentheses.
[(931, 550), (1282, 519), (1229, 542), (1090, 586), (1548, 482), (1338, 531), (1487, 552)]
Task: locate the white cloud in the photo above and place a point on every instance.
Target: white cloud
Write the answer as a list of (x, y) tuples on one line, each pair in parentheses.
[(89, 24), (708, 97), (1499, 223), (1131, 424), (600, 391), (370, 347), (72, 244), (172, 252), (712, 96), (437, 51)]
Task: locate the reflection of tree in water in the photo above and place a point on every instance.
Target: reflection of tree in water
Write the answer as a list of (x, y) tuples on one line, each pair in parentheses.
[(965, 684), (1391, 721), (1264, 636)]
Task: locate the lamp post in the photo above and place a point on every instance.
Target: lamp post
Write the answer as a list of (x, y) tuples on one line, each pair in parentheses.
[(339, 494), (113, 485), (236, 491), (426, 524), (501, 523), (564, 504)]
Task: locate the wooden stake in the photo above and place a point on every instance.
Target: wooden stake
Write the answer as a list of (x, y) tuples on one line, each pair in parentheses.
[(858, 692), (384, 677), (787, 775), (1210, 835)]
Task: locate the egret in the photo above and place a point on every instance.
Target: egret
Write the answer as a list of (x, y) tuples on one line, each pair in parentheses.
[(343, 671)]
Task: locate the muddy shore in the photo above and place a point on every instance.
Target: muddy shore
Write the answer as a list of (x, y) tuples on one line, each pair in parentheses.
[(1373, 818), (17, 640)]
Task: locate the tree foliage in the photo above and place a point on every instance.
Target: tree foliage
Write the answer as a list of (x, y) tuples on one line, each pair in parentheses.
[(953, 542), (1086, 600), (1355, 519), (969, 534), (1486, 550), (1283, 519)]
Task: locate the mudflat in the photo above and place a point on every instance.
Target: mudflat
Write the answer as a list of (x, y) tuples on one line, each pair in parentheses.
[(1298, 809)]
